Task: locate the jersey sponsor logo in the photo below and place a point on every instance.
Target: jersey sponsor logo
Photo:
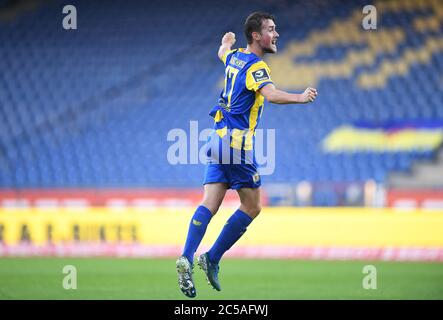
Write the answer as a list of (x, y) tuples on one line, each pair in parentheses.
[(260, 75), (237, 62)]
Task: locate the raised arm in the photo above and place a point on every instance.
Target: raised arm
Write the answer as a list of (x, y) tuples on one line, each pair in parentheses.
[(274, 95), (227, 42)]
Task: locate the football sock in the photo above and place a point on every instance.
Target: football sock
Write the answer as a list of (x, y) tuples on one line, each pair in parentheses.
[(234, 228), (197, 229)]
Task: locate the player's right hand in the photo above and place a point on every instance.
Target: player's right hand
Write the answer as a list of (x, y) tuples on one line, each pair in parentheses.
[(309, 95), (229, 38)]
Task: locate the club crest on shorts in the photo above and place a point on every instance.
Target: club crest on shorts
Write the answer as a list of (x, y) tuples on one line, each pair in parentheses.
[(256, 177)]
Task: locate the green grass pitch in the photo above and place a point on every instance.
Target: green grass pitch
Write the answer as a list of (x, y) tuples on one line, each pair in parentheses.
[(155, 279)]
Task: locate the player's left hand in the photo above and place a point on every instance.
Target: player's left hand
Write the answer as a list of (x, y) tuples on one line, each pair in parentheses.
[(309, 95)]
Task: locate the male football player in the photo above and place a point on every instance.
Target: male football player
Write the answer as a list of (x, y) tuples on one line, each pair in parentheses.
[(247, 83)]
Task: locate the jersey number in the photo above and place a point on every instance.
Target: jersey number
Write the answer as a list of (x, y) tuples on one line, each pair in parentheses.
[(231, 75), (241, 139)]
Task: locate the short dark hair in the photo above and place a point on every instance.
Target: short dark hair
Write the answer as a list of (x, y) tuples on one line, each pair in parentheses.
[(254, 22)]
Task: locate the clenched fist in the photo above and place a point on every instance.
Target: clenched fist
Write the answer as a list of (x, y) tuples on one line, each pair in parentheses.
[(309, 95), (229, 38)]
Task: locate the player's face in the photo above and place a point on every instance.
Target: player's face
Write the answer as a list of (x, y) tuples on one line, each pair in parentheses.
[(269, 36)]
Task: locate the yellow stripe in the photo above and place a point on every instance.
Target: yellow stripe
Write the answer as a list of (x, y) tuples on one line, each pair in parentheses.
[(350, 138), (222, 132), (225, 55), (253, 119), (274, 226), (247, 134), (218, 116), (253, 116), (237, 138)]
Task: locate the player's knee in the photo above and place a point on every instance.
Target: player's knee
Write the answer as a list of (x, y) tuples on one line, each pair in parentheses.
[(214, 209), (253, 210), (257, 210)]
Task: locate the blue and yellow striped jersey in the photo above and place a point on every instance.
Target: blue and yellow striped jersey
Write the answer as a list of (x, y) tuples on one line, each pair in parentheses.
[(240, 105)]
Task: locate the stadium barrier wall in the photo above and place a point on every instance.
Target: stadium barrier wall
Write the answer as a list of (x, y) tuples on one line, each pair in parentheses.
[(415, 198), (306, 233), (109, 198)]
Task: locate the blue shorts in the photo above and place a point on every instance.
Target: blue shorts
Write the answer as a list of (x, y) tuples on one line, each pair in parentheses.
[(240, 171), (237, 176)]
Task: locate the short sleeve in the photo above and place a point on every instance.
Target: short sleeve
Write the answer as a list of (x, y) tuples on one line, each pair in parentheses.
[(257, 76), (226, 54)]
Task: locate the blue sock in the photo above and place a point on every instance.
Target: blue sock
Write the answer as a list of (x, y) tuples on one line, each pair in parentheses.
[(197, 229), (232, 231)]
